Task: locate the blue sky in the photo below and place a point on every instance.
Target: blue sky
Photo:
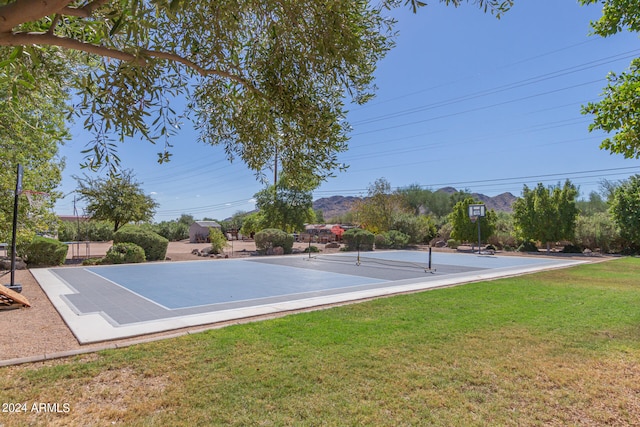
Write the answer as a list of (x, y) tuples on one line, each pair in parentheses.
[(464, 100)]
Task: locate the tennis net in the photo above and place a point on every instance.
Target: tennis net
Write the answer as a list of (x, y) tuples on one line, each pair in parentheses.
[(373, 262)]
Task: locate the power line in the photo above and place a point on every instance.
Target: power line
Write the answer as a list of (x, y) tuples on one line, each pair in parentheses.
[(503, 88), (420, 91), (517, 179)]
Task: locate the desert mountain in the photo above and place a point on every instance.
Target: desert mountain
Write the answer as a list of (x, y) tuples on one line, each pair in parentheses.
[(334, 206)]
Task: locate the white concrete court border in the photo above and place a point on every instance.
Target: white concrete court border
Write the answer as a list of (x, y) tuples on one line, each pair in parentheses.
[(94, 327)]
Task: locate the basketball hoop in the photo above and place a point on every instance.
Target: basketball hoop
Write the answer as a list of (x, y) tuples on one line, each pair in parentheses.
[(475, 212), (37, 199)]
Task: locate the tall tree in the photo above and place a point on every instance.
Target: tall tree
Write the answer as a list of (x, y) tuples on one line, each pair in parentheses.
[(375, 212), (466, 231), (625, 210), (285, 208), (594, 205), (546, 214), (118, 198), (438, 203), (30, 131), (618, 112)]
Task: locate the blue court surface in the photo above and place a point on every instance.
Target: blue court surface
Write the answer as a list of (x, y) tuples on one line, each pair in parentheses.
[(101, 303)]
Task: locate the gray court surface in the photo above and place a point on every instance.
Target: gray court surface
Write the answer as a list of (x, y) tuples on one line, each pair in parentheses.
[(102, 303)]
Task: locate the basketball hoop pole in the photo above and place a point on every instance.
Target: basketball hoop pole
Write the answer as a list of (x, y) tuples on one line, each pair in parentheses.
[(478, 235), (13, 285), (477, 211)]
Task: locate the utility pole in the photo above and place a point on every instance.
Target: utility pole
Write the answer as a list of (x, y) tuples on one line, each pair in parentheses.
[(275, 168)]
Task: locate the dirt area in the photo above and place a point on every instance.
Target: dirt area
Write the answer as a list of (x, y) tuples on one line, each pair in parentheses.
[(38, 331)]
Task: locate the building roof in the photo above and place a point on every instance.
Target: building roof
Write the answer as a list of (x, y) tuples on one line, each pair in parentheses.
[(208, 224)]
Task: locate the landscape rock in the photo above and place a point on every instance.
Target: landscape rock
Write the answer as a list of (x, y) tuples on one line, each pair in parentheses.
[(5, 264)]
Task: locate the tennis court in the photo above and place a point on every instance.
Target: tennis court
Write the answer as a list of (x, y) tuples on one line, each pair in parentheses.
[(101, 303)]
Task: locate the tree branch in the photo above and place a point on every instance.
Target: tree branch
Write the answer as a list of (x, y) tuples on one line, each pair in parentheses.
[(48, 39), (52, 28), (22, 39), (85, 11), (19, 12), (201, 70)]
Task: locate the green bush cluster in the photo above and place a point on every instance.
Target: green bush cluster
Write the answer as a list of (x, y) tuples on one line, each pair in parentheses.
[(95, 231), (357, 238), (527, 246), (571, 249), (154, 245), (312, 249), (392, 239), (419, 229), (171, 230), (124, 253), (44, 251), (272, 238), (217, 240)]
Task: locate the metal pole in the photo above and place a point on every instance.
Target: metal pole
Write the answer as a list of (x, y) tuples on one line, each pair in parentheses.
[(15, 230), (429, 257), (479, 235)]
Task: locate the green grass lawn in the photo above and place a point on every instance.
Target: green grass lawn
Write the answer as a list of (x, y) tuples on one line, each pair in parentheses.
[(553, 348)]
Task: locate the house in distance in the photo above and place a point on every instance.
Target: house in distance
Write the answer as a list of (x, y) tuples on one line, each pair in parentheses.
[(199, 231)]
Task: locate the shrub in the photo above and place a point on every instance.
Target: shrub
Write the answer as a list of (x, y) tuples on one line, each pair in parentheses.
[(45, 251), (218, 241), (312, 249), (171, 230), (571, 249), (444, 232), (452, 243), (124, 253), (382, 241), (153, 244), (597, 231), (528, 246), (272, 238), (392, 239), (420, 229), (357, 237), (96, 231)]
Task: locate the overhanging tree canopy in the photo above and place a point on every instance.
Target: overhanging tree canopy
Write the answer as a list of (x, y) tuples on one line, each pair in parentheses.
[(260, 76), (618, 112)]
